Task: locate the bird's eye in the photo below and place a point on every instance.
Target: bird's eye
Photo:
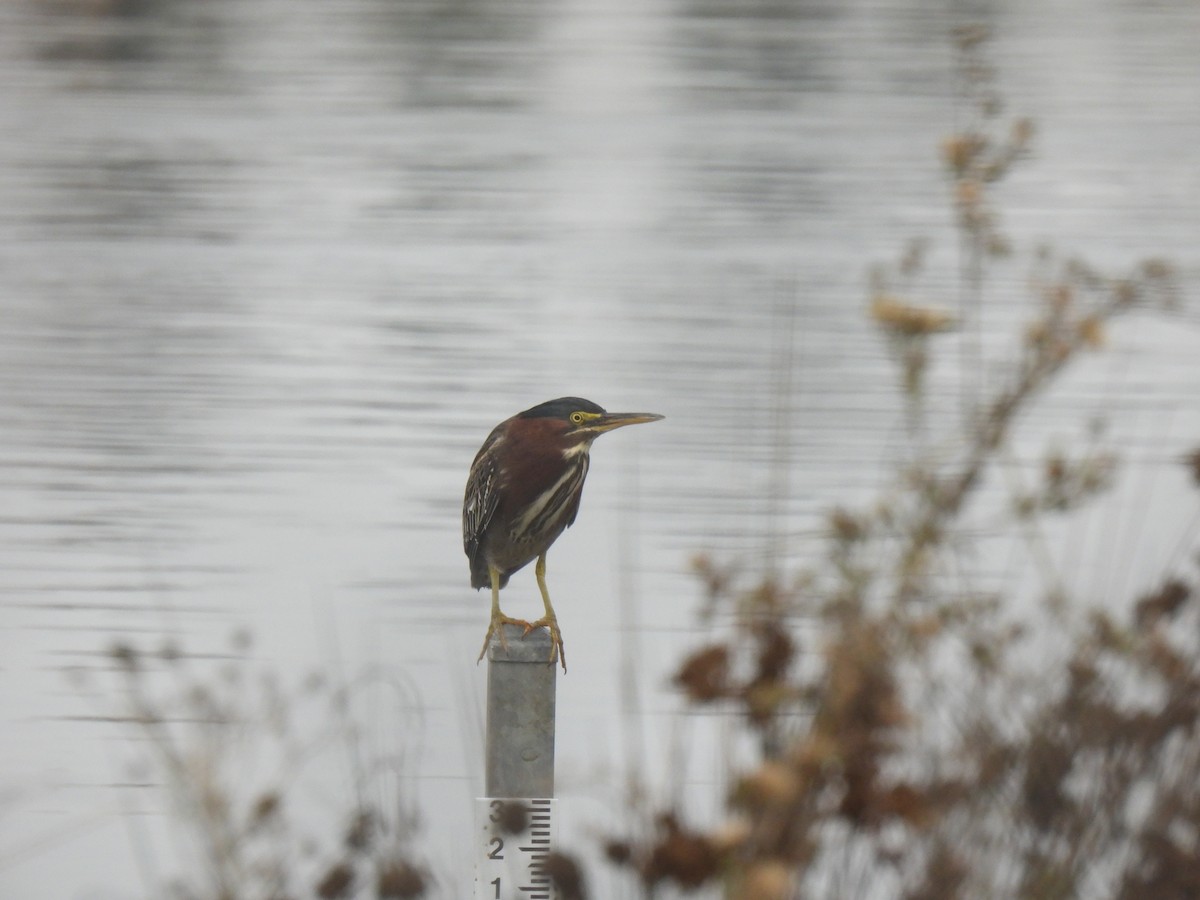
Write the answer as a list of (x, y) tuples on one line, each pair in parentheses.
[(577, 417)]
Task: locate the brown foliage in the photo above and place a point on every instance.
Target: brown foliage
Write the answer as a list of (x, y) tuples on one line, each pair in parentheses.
[(1193, 463), (513, 817), (200, 730), (1162, 604), (337, 882), (704, 675), (917, 744), (676, 855), (566, 876), (399, 880)]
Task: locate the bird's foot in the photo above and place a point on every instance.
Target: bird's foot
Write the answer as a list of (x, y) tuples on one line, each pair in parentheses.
[(496, 627), (557, 651)]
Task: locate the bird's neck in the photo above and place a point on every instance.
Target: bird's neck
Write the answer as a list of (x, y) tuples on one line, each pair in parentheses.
[(575, 451)]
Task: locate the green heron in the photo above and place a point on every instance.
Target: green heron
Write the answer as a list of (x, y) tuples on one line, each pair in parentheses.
[(524, 491)]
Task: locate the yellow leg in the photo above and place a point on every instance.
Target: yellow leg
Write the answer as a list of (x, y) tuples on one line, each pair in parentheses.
[(499, 619), (550, 621)]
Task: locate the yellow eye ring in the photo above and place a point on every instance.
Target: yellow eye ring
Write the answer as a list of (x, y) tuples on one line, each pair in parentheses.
[(577, 417)]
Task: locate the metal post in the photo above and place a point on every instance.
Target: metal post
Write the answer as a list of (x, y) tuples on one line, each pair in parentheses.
[(518, 770), (520, 715)]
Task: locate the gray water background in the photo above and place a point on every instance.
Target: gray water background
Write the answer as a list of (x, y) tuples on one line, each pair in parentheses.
[(269, 271)]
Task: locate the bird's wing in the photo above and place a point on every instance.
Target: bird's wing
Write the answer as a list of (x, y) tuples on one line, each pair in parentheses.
[(482, 496)]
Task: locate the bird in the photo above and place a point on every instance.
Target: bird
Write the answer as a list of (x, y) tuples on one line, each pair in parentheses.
[(523, 492)]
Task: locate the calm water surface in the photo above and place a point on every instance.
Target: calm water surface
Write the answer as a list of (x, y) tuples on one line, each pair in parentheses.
[(270, 271)]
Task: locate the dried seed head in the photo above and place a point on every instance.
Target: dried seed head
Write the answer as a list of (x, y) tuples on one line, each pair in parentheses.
[(907, 320), (337, 882), (513, 817), (1192, 461), (730, 836), (684, 857), (765, 880), (1163, 603), (705, 674), (773, 784), (566, 875), (399, 880)]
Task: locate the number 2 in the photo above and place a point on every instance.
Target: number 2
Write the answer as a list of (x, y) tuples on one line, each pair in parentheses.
[(497, 847)]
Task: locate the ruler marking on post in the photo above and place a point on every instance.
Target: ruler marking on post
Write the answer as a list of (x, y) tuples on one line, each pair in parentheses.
[(512, 865)]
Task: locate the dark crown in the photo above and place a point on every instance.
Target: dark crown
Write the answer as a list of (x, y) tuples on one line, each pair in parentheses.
[(560, 408)]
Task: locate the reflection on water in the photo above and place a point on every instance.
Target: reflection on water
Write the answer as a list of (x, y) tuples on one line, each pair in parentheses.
[(271, 271)]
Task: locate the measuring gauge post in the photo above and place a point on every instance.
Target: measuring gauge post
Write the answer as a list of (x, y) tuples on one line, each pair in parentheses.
[(514, 838)]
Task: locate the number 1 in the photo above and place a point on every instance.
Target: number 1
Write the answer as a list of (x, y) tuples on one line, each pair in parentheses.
[(496, 882)]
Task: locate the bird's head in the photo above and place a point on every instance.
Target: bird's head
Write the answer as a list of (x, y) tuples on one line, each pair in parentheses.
[(576, 422)]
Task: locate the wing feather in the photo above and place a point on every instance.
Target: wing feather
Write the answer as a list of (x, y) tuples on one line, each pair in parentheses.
[(482, 495)]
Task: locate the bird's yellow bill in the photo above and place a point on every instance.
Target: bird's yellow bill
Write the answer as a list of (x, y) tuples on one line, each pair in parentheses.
[(609, 421)]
